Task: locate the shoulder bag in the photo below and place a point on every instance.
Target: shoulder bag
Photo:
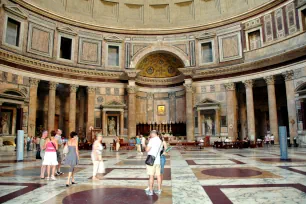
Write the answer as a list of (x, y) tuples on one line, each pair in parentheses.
[(151, 159)]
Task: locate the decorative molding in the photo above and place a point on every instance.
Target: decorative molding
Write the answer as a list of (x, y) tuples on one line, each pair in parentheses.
[(248, 83), (67, 30), (252, 24), (160, 81), (230, 86), (132, 73), (73, 88), (52, 85), (288, 75), (190, 71), (206, 35), (113, 38), (34, 82), (15, 10), (270, 80), (91, 89)]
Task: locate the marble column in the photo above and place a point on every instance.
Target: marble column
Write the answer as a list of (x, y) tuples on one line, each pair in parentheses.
[(91, 99), (20, 119), (217, 122), (272, 107), (51, 106), (72, 107), (242, 115), (82, 111), (199, 123), (189, 111), (32, 106), (172, 105), (250, 109), (231, 103), (132, 111), (104, 123), (121, 123), (150, 105), (292, 117)]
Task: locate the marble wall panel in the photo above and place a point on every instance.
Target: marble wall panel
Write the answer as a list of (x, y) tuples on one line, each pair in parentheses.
[(230, 46), (180, 109), (89, 51), (291, 18), (134, 13), (159, 12), (279, 20), (185, 10), (268, 27)]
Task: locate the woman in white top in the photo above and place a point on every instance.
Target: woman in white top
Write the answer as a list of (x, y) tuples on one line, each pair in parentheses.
[(96, 156)]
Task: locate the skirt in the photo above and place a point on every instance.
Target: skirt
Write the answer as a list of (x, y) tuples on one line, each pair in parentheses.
[(50, 158)]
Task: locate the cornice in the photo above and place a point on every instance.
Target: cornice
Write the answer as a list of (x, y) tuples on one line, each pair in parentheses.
[(160, 81), (50, 67), (153, 31)]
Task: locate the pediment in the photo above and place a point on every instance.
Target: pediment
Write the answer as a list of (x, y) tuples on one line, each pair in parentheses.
[(113, 38), (16, 10), (206, 35), (114, 104), (67, 30), (208, 102)]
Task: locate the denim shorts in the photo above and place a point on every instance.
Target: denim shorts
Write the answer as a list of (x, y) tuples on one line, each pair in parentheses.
[(162, 163)]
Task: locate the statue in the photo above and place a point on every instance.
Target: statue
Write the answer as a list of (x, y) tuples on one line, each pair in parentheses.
[(209, 126), (111, 126), (4, 123)]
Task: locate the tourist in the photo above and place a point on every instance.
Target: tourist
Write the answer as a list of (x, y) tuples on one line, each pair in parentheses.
[(201, 143), (28, 143), (42, 153), (96, 156), (138, 145), (59, 140), (272, 139), (117, 140), (267, 140), (162, 159), (37, 142), (50, 158), (153, 148), (227, 140), (72, 157), (143, 143)]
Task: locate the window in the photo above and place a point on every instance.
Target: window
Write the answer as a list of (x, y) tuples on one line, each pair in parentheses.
[(65, 48), (207, 53), (12, 32), (254, 40), (113, 55), (303, 19)]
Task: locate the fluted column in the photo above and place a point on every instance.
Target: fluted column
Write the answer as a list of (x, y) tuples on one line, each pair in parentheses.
[(121, 123), (90, 111), (200, 123), (72, 107), (272, 107), (189, 111), (231, 103), (132, 111), (217, 122), (104, 123), (32, 106), (250, 109), (291, 104), (51, 106)]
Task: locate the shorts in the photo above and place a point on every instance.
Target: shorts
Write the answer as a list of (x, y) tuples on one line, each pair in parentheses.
[(153, 170), (59, 156), (162, 163), (50, 159)]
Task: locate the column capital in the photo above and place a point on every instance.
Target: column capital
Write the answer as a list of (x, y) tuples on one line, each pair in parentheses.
[(270, 80), (34, 82), (73, 88), (172, 95), (248, 83), (230, 86), (288, 75), (91, 89), (188, 88), (131, 89), (150, 96), (52, 85)]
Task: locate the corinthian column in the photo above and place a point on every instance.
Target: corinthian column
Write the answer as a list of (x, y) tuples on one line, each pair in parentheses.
[(189, 110), (72, 107), (250, 109), (291, 104), (32, 106), (51, 106), (231, 104), (90, 111), (272, 107), (132, 89)]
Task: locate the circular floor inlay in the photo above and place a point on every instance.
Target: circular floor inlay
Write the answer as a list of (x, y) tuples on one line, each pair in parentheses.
[(111, 196), (231, 172)]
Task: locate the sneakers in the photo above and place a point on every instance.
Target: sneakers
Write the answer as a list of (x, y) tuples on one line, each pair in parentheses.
[(53, 178), (147, 189), (150, 193), (59, 173), (158, 192), (47, 178)]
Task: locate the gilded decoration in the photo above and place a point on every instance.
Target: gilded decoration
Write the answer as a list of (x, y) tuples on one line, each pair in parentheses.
[(160, 65)]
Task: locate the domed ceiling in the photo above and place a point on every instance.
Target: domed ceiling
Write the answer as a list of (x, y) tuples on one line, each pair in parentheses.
[(160, 65)]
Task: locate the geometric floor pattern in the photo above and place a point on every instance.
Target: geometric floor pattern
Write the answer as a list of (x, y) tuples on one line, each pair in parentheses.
[(192, 176)]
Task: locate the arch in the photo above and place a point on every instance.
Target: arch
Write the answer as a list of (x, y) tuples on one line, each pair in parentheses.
[(160, 48), (14, 92), (300, 86)]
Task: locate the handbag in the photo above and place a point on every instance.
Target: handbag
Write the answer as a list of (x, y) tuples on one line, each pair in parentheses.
[(151, 159), (38, 154)]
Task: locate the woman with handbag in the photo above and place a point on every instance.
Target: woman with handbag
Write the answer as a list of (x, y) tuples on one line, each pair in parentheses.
[(96, 156), (72, 157), (50, 158), (42, 153)]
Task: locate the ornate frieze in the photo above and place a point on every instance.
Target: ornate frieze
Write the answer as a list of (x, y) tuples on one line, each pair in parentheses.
[(270, 80), (288, 75), (73, 88), (132, 73), (230, 86), (34, 82)]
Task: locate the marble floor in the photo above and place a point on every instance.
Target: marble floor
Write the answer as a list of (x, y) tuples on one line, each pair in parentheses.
[(191, 176)]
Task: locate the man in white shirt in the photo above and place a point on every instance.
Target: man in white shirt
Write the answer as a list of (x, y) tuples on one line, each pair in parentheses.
[(59, 140), (153, 148), (143, 143)]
